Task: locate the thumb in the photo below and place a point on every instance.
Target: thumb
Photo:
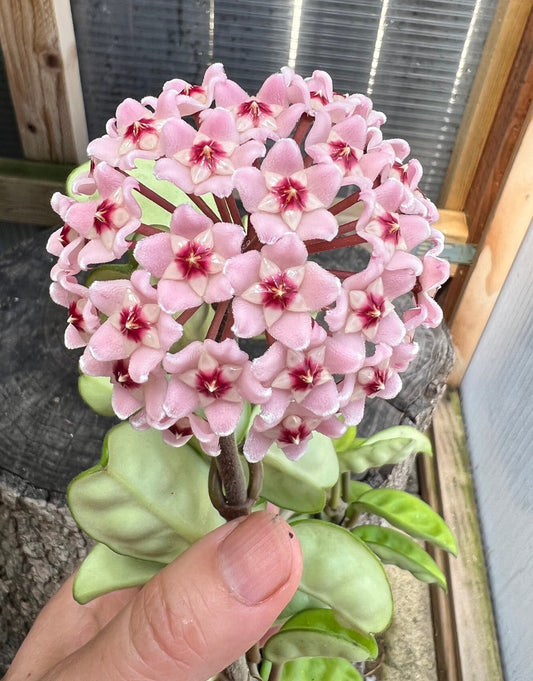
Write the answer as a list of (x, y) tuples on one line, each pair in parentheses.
[(201, 612)]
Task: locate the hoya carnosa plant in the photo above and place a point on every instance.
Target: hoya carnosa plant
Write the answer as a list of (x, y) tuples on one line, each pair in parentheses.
[(259, 182), (195, 229)]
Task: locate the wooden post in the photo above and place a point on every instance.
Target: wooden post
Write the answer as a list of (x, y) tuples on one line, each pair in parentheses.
[(41, 62), (500, 50), (505, 231)]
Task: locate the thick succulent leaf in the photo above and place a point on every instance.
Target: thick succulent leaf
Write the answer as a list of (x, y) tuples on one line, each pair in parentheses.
[(196, 328), (319, 669), (410, 514), (395, 548), (357, 489), (347, 441), (386, 447), (72, 177), (109, 272), (341, 571), (104, 570), (317, 633), (300, 485), (152, 214), (96, 392), (145, 499), (299, 602)]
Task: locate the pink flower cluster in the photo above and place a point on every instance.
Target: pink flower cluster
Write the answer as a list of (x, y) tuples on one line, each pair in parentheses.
[(292, 171)]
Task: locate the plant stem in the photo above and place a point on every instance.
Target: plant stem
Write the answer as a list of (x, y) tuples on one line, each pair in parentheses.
[(223, 209), (319, 246), (275, 672), (344, 204), (202, 205), (231, 473)]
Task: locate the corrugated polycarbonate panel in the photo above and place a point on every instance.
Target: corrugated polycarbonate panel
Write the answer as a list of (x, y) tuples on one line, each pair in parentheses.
[(416, 58)]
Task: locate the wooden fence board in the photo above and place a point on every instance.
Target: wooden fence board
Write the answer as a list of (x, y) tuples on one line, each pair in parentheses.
[(41, 63)]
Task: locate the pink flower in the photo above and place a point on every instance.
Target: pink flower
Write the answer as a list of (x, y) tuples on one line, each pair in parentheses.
[(204, 160), (136, 327), (141, 401), (189, 261), (377, 378), (214, 377), (366, 311), (292, 434), (277, 289), (268, 115), (106, 222), (82, 320), (134, 133), (285, 197), (346, 145), (303, 377), (191, 99)]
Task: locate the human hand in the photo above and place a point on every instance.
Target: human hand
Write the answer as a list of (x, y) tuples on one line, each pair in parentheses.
[(194, 618)]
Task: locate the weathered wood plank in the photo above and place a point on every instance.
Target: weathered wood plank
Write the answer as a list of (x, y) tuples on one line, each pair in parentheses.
[(493, 72), (508, 225), (26, 188), (497, 154), (41, 62), (470, 618)]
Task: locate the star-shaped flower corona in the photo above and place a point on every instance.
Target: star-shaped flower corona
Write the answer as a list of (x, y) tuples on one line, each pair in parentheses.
[(196, 227)]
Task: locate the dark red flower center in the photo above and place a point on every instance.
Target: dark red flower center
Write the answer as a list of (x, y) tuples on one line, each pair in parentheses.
[(193, 259), (133, 324), (372, 312), (181, 428), (378, 382), (254, 110), (103, 218), (208, 153), (212, 383), (343, 153), (75, 317), (305, 375), (295, 434), (291, 194), (121, 373), (137, 130), (194, 91), (318, 94), (67, 235), (390, 227), (278, 291)]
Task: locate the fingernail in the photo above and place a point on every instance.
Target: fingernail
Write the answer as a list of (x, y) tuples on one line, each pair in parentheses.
[(256, 557)]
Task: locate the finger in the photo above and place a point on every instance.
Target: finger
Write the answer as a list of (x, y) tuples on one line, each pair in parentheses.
[(62, 627), (201, 612)]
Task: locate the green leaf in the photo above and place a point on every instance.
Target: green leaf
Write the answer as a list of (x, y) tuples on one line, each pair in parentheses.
[(104, 570), (152, 213), (96, 392), (145, 499), (196, 327), (83, 168), (346, 441), (395, 548), (319, 669), (410, 514), (109, 272), (341, 571), (298, 603), (389, 446), (317, 633), (357, 489), (300, 485)]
